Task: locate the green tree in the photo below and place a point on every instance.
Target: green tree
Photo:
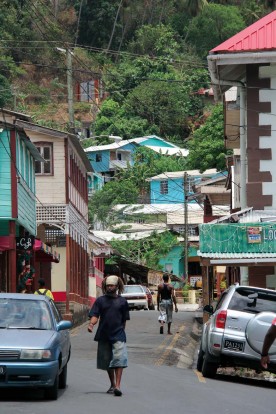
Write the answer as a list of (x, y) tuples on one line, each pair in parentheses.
[(194, 7), (206, 148), (225, 22), (114, 120), (5, 92), (155, 41), (147, 251), (113, 192), (96, 22), (148, 163), (168, 103)]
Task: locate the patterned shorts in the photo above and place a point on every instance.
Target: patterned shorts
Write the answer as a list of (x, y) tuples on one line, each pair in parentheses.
[(166, 307), (111, 355)]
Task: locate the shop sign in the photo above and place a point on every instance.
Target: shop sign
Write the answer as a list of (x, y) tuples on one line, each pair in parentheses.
[(25, 243), (254, 234)]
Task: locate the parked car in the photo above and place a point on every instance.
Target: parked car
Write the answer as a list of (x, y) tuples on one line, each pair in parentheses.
[(135, 296), (150, 298), (233, 336), (34, 343)]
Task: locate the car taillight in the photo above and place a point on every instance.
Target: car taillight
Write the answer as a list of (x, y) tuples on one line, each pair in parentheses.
[(221, 319)]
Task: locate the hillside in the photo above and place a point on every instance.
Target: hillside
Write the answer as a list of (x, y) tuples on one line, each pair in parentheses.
[(145, 61)]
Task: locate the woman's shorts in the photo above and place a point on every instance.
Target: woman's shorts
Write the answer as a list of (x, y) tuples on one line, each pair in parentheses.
[(111, 355)]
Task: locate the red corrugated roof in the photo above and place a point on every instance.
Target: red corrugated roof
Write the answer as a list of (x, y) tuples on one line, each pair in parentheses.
[(259, 36)]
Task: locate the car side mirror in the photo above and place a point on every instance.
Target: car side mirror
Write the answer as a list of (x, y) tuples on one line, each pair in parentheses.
[(63, 325), (208, 309)]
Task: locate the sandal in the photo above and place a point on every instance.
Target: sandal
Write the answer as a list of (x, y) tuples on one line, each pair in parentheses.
[(117, 392), (110, 390)]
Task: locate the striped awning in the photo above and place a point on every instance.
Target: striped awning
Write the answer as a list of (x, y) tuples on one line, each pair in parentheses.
[(45, 253)]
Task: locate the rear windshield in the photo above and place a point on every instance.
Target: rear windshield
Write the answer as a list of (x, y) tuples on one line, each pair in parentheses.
[(253, 300), (133, 289)]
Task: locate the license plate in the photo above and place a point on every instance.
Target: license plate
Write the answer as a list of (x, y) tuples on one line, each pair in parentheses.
[(3, 370), (234, 345)]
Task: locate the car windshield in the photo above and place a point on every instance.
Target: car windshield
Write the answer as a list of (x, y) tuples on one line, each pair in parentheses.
[(133, 289), (24, 314), (253, 300)]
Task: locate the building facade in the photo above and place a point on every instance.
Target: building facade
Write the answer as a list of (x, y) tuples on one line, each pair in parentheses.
[(62, 213)]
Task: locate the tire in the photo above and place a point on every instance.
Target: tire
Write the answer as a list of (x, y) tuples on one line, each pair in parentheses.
[(200, 359), (63, 378), (51, 393), (209, 369)]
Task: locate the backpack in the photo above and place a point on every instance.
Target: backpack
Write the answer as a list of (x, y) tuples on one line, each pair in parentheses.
[(40, 293)]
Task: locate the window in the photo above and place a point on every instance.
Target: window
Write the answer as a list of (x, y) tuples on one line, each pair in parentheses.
[(46, 151), (164, 187), (98, 157)]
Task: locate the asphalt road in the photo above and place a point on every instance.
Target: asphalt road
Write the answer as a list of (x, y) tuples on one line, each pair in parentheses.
[(160, 378)]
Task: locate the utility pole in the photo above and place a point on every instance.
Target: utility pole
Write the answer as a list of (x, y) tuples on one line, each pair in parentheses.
[(185, 186), (69, 70), (70, 89)]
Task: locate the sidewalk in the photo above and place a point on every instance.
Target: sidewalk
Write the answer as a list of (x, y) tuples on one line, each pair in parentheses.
[(187, 307), (196, 308)]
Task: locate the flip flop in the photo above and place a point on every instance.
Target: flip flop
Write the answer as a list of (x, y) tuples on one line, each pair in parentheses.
[(117, 392)]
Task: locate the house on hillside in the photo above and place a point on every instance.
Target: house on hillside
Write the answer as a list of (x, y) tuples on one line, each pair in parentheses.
[(107, 159), (247, 61), (61, 212), (160, 217), (21, 253), (168, 187)]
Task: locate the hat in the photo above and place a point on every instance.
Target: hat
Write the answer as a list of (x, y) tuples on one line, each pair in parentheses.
[(112, 280)]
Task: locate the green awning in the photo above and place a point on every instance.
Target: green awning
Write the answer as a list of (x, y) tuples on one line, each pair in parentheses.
[(251, 239)]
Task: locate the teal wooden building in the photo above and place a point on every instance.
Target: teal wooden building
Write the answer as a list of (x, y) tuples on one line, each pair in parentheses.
[(17, 202)]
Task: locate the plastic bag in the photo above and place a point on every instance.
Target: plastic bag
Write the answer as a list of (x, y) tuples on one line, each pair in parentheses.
[(162, 317)]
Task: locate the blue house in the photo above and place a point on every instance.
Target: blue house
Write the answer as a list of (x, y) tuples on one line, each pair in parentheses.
[(17, 202), (107, 159), (168, 188)]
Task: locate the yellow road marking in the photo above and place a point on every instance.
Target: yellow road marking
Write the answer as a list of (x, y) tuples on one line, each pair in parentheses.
[(199, 376), (161, 360)]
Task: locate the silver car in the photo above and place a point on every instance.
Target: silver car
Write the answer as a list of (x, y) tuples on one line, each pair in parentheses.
[(233, 336), (135, 296), (34, 343)]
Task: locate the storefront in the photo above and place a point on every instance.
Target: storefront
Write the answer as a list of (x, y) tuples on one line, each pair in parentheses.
[(247, 251)]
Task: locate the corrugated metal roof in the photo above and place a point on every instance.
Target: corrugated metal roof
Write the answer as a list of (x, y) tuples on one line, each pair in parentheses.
[(259, 36), (243, 255), (148, 208), (180, 174), (109, 235), (171, 149)]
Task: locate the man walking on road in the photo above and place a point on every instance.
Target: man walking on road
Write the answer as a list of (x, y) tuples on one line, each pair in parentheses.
[(165, 300), (112, 312)]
